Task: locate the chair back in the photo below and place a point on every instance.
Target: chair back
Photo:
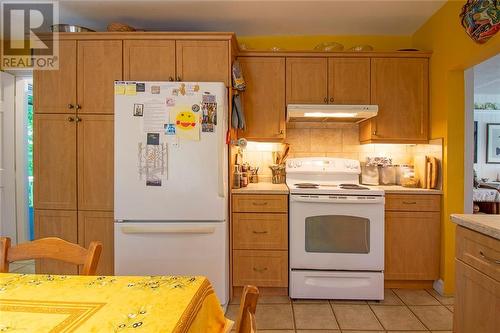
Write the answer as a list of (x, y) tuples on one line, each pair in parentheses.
[(51, 248), (248, 305)]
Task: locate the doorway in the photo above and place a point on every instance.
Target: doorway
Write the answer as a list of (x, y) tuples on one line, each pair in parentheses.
[(482, 144)]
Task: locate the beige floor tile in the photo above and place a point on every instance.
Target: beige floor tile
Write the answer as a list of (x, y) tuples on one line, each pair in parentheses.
[(310, 301), (355, 317), (451, 308), (348, 301), (434, 317), (416, 297), (268, 299), (445, 300), (390, 298), (232, 311), (274, 317), (316, 331), (314, 316), (395, 317)]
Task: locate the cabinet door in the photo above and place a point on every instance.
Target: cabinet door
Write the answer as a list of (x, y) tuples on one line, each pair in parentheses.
[(264, 97), (149, 60), (95, 162), (54, 161), (412, 245), (306, 80), (400, 88), (98, 226), (477, 301), (56, 223), (349, 81), (99, 65), (203, 61), (55, 90)]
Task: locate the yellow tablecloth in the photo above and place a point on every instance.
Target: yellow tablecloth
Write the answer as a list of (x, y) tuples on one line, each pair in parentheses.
[(59, 303)]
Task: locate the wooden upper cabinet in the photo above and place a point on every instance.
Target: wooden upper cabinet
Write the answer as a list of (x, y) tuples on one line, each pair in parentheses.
[(203, 61), (98, 226), (54, 161), (55, 90), (95, 162), (56, 223), (306, 81), (400, 88), (99, 65), (149, 60), (264, 97), (349, 81)]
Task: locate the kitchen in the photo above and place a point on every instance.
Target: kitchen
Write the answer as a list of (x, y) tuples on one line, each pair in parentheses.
[(277, 208)]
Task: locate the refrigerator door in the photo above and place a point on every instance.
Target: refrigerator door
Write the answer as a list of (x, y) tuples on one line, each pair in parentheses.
[(155, 248), (193, 186)]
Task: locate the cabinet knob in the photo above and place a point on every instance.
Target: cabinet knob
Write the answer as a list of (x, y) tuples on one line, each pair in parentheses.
[(71, 119), (78, 107), (70, 106), (325, 99), (281, 132), (331, 99), (374, 132), (170, 78), (179, 78), (78, 119)]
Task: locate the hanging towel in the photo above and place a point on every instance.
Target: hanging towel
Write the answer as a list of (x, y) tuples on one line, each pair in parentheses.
[(238, 115)]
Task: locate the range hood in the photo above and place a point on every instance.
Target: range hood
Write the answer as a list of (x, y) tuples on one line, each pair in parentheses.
[(330, 112)]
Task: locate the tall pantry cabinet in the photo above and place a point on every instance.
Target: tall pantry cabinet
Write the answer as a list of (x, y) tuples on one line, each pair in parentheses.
[(73, 148)]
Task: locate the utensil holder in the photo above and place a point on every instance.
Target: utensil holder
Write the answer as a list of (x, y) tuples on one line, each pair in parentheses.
[(278, 174)]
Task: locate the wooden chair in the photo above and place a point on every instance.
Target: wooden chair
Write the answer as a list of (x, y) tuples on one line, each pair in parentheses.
[(51, 248), (246, 317)]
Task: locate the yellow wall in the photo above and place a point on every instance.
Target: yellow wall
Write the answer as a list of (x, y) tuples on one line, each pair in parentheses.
[(453, 52), (384, 43)]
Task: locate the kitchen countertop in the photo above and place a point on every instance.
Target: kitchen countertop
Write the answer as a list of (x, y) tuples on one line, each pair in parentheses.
[(488, 225), (262, 188), (396, 189)]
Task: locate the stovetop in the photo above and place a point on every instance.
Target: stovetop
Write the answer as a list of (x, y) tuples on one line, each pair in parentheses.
[(324, 175)]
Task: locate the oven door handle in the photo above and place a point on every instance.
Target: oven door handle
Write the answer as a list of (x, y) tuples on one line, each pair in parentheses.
[(334, 199)]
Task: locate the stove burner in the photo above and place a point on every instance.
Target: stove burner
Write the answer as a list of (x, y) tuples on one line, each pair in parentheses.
[(352, 187), (306, 185)]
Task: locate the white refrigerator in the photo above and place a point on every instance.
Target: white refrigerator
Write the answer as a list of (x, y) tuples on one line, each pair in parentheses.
[(171, 180)]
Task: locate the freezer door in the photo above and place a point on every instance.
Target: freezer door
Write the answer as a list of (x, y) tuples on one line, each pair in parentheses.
[(199, 248), (194, 183)]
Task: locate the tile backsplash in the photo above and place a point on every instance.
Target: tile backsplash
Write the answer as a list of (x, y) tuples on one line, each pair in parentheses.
[(308, 139)]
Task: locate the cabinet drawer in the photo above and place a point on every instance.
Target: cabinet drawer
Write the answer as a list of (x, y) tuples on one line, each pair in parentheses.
[(413, 202), (260, 268), (479, 251), (270, 203), (260, 231)]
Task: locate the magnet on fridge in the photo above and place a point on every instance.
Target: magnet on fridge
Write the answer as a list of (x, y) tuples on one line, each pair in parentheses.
[(130, 89), (169, 129), (138, 110), (170, 101), (140, 87), (119, 88), (153, 139), (155, 90)]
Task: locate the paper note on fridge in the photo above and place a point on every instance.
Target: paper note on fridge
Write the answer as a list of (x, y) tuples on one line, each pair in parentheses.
[(187, 122), (155, 116)]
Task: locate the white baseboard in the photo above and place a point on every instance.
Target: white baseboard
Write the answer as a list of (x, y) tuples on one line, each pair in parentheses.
[(438, 286)]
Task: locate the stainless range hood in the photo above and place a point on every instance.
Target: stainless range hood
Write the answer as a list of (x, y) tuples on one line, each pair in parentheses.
[(330, 112)]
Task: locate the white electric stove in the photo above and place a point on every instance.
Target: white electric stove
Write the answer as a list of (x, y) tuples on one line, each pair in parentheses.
[(336, 231)]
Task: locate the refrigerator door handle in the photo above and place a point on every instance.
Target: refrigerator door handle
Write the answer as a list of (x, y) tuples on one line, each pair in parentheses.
[(166, 230)]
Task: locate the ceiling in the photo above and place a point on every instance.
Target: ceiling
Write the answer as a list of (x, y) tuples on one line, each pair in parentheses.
[(250, 17), (487, 77)]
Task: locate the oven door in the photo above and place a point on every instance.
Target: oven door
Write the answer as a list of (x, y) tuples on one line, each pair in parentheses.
[(337, 232)]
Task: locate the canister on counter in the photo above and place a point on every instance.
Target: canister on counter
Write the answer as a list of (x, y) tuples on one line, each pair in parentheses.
[(387, 175)]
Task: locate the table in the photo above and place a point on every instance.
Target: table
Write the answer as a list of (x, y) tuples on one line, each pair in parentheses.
[(71, 303), (487, 199)]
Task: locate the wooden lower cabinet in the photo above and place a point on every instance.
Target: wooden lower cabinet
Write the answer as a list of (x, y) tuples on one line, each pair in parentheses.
[(56, 223), (477, 297), (260, 268), (259, 230), (412, 239), (98, 226)]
